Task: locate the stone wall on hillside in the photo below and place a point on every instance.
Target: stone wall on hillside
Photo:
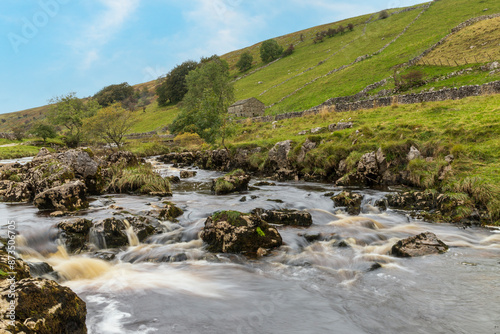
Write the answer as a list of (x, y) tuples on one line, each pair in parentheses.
[(344, 103)]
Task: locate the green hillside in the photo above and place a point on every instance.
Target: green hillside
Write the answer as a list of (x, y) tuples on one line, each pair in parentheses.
[(347, 63)]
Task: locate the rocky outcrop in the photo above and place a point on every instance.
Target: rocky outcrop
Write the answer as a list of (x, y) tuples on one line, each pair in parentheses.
[(41, 305), (235, 232), (423, 244), (235, 181), (123, 158), (351, 201), (306, 147), (285, 217), (339, 126), (70, 196)]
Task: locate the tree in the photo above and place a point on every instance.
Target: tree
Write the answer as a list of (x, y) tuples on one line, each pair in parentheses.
[(350, 26), (110, 125), (270, 50), (205, 105), (19, 132), (288, 51), (114, 93), (245, 62), (69, 112), (43, 130), (341, 29), (173, 87)]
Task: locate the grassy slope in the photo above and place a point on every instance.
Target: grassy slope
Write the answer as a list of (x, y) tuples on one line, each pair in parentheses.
[(340, 50), (468, 129)]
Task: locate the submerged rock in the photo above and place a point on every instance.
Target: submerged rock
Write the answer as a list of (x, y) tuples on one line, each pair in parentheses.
[(232, 182), (236, 232), (285, 217), (423, 244)]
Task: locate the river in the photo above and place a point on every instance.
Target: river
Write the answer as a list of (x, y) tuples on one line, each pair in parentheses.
[(301, 287)]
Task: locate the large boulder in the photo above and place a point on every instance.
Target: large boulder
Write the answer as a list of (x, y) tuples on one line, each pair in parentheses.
[(11, 191), (285, 217), (235, 232), (278, 156), (80, 161), (235, 181), (423, 244), (67, 197), (351, 201), (42, 307), (123, 158)]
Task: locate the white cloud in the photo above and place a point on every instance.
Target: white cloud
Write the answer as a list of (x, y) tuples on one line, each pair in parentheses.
[(102, 29)]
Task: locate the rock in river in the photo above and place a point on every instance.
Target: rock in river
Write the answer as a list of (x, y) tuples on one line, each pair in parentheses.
[(236, 232), (423, 244)]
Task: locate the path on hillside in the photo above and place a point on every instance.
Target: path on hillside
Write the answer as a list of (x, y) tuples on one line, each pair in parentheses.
[(9, 145), (357, 60)]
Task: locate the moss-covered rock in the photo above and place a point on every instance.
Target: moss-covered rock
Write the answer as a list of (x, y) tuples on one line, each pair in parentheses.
[(68, 197), (235, 181), (351, 201), (236, 232)]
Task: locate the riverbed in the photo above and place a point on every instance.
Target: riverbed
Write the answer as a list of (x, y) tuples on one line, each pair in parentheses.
[(352, 286)]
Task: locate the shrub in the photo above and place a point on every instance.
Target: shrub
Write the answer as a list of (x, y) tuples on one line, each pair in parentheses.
[(245, 62), (331, 32), (188, 140), (114, 93), (383, 15), (270, 50), (341, 29), (350, 26), (318, 39), (410, 80)]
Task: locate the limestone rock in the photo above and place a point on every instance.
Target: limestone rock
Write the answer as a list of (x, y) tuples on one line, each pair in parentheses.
[(74, 233), (423, 244), (339, 126), (413, 154), (306, 147), (185, 174), (231, 182), (67, 197), (235, 232), (351, 201), (285, 217)]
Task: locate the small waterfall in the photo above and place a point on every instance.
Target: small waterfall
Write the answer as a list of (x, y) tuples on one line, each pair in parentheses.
[(97, 238), (133, 240)]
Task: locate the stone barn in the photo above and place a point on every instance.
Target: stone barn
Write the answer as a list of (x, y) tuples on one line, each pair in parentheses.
[(247, 108)]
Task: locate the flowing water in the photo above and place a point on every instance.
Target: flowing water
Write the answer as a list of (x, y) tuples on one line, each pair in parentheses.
[(302, 287)]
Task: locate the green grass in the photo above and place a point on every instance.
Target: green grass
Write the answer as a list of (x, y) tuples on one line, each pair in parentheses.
[(469, 129), (19, 151)]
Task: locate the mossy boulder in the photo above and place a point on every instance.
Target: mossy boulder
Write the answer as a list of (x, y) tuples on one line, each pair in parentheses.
[(236, 232), (351, 201), (235, 181), (75, 233)]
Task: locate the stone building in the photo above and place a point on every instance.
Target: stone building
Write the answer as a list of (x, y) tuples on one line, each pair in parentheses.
[(247, 108)]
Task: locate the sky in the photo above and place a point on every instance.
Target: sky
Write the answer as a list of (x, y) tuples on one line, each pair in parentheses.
[(49, 48)]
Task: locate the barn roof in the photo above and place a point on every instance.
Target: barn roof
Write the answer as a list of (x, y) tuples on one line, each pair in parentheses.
[(238, 103)]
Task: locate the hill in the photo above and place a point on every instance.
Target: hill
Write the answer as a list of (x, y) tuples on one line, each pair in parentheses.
[(349, 62)]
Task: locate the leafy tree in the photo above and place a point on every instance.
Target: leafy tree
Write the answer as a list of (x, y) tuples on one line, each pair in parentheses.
[(173, 87), (110, 125), (69, 112), (114, 93), (270, 50), (205, 105), (19, 132), (245, 62), (288, 51), (43, 130)]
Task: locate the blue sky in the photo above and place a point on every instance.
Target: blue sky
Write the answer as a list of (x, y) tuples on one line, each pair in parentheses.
[(53, 47)]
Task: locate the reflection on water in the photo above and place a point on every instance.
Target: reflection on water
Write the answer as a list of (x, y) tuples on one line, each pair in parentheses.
[(345, 282)]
